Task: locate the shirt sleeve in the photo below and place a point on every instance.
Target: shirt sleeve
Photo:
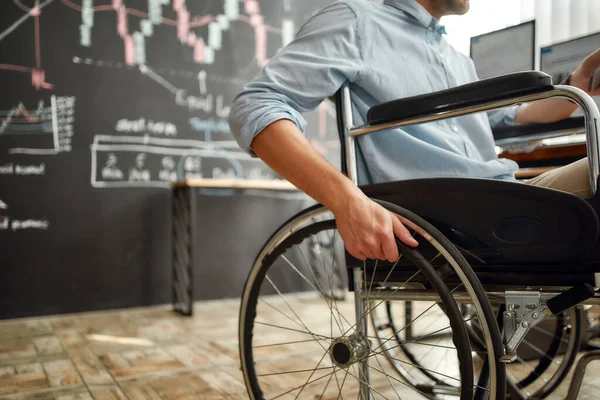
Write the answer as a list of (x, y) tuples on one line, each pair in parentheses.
[(503, 116), (323, 56)]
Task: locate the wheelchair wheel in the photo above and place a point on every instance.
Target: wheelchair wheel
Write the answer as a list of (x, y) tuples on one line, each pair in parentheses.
[(304, 334), (544, 358)]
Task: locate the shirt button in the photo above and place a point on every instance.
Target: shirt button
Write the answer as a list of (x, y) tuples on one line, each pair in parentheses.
[(454, 128), (441, 56)]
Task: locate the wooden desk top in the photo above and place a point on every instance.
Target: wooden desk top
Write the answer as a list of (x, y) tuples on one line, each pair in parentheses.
[(524, 173), (236, 184)]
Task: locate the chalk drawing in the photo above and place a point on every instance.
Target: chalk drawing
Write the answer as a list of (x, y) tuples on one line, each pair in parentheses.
[(165, 155), (167, 173), (111, 172), (37, 72), (204, 43), (193, 167), (139, 173), (55, 121)]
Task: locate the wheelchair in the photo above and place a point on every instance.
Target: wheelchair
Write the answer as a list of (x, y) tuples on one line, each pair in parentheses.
[(488, 306)]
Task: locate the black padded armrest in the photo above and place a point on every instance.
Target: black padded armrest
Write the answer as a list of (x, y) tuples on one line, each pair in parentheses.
[(503, 87), (511, 131)]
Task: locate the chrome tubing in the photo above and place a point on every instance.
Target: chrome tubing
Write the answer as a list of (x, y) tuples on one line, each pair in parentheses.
[(578, 96), (361, 330), (346, 111)]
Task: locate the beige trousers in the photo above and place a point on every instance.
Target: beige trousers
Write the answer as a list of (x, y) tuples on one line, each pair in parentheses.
[(573, 178)]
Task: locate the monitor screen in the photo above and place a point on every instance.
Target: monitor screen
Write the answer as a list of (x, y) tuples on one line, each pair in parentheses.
[(560, 59), (507, 50)]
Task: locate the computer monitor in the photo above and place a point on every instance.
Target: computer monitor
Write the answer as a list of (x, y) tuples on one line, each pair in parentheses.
[(560, 59), (504, 51)]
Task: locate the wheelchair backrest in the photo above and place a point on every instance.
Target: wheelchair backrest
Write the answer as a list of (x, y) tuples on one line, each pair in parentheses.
[(339, 99)]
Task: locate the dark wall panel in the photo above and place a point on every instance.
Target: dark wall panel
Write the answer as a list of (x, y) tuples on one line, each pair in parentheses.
[(102, 105)]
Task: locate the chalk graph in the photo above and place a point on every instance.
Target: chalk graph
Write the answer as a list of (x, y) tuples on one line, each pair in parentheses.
[(200, 52), (134, 161), (51, 124), (18, 120), (204, 49), (37, 72)]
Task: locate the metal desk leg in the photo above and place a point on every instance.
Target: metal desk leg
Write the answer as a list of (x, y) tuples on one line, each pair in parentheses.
[(181, 264)]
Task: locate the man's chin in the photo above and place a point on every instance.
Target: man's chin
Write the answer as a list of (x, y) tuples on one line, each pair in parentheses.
[(460, 7)]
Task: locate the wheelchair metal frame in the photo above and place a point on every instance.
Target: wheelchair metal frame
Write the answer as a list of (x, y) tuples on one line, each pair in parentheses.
[(578, 96), (350, 133)]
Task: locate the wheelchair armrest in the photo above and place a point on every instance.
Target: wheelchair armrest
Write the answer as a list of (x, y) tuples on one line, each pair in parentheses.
[(499, 88), (539, 130)]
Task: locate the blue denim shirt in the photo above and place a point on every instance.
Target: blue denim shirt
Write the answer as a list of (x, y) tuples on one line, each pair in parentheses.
[(385, 52)]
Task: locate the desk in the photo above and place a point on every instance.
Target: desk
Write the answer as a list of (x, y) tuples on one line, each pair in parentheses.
[(541, 147), (218, 227)]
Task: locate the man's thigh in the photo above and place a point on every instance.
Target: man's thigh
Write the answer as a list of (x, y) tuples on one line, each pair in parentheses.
[(573, 178)]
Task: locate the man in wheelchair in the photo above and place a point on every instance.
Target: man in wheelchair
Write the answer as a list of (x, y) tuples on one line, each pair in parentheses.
[(381, 53)]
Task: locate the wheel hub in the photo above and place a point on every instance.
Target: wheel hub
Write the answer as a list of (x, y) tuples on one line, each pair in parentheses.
[(346, 351)]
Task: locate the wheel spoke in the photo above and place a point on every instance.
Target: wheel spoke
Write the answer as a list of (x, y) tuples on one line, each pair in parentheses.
[(312, 373), (299, 387), (537, 350), (286, 343), (293, 330), (387, 377), (296, 371), (545, 332), (320, 289), (327, 384), (411, 322), (400, 381), (282, 313), (368, 385), (291, 309), (413, 340), (340, 396), (371, 309)]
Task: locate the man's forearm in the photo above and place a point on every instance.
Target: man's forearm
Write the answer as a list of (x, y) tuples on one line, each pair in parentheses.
[(553, 110), (545, 111), (285, 149)]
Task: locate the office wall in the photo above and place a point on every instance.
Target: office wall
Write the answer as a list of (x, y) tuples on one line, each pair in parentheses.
[(103, 105)]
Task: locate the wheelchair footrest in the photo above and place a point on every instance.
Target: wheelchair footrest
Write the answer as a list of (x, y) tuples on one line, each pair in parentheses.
[(570, 298)]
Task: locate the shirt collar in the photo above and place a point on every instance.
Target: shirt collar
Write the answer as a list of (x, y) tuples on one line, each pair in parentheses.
[(417, 11)]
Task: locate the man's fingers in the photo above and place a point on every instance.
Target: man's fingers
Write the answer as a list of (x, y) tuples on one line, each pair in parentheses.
[(402, 233), (388, 245), (356, 254), (376, 250)]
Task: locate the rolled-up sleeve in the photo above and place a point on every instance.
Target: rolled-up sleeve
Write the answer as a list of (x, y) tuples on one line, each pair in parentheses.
[(503, 116), (324, 55)]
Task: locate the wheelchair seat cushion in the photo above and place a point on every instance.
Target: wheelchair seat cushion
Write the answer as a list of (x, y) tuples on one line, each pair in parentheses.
[(503, 87), (506, 221)]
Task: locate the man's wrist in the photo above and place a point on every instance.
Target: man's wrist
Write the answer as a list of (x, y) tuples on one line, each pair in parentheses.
[(342, 194)]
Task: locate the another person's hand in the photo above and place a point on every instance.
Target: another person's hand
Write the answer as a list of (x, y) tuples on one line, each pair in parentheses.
[(582, 75), (369, 230)]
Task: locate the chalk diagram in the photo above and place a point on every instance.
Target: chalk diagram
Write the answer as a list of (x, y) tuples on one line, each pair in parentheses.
[(200, 146), (159, 162), (128, 160), (37, 72), (51, 125), (44, 128), (3, 218)]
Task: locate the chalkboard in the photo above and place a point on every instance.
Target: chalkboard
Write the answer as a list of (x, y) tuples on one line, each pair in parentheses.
[(104, 104)]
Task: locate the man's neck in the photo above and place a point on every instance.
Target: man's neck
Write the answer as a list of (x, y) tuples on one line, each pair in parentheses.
[(431, 7)]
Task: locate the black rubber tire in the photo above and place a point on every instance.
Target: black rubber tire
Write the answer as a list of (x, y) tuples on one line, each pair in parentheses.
[(460, 335)]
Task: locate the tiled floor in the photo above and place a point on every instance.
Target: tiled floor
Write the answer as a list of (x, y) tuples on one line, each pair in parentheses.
[(148, 353)]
